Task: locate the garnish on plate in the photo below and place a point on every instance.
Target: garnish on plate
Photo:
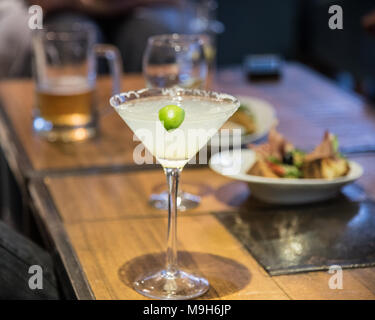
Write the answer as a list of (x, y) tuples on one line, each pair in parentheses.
[(242, 118), (278, 158)]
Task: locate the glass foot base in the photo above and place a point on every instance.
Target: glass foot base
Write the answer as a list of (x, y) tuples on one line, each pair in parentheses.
[(52, 133), (165, 285), (185, 201)]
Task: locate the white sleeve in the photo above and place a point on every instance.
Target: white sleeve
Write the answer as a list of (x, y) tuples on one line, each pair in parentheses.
[(15, 37)]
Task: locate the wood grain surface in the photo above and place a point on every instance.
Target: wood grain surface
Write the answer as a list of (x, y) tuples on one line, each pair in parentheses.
[(306, 104), (110, 224), (114, 146), (115, 234), (113, 253), (126, 195)]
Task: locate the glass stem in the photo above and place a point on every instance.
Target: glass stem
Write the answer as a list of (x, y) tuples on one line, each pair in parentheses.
[(173, 175)]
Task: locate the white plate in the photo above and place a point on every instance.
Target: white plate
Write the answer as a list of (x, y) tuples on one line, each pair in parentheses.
[(236, 163), (264, 115)]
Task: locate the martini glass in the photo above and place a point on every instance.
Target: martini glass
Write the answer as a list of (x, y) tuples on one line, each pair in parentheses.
[(205, 113)]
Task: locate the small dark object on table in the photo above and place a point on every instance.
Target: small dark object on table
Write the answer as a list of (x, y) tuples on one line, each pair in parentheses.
[(262, 67)]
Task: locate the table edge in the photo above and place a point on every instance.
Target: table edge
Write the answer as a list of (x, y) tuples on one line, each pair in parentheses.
[(48, 215)]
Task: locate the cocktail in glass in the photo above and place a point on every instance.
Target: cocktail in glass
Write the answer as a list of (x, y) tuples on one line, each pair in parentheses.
[(204, 113)]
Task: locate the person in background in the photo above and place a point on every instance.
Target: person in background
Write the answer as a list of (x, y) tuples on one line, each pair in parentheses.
[(368, 22), (125, 23), (15, 38), (17, 255)]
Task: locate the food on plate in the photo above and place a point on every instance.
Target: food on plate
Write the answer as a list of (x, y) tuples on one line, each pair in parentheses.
[(279, 158), (243, 118)]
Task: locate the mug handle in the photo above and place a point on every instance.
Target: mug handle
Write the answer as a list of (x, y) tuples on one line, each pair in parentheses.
[(112, 55)]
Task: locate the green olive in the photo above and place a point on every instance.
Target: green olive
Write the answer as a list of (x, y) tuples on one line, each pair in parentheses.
[(171, 116)]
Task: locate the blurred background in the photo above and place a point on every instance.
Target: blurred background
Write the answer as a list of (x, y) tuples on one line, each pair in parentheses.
[(298, 30), (248, 35), (293, 29)]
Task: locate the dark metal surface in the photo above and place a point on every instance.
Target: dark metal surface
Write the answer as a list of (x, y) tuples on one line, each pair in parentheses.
[(85, 171), (357, 149), (290, 239)]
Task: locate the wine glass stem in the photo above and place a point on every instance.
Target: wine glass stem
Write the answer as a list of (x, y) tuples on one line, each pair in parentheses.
[(173, 175)]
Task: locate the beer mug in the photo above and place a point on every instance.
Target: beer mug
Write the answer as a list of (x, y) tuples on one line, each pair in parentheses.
[(65, 63)]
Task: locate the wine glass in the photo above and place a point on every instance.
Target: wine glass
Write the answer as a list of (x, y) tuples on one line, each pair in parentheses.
[(175, 60)]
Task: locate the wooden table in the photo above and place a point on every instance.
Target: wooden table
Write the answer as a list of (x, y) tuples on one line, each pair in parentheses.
[(92, 199), (34, 156)]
